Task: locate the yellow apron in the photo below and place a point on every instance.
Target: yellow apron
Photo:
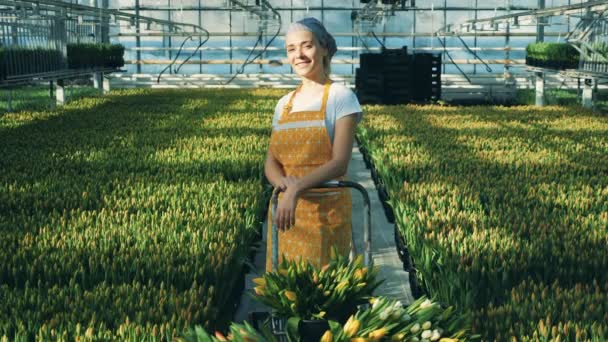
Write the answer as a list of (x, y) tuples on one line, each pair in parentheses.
[(301, 144)]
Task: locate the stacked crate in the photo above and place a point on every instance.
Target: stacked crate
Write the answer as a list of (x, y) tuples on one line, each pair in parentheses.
[(384, 78), (394, 77), (426, 77)]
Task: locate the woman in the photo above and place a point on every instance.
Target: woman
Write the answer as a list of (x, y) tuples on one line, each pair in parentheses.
[(311, 143)]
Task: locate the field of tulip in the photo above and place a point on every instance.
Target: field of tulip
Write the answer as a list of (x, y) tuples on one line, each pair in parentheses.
[(130, 215), (504, 211)]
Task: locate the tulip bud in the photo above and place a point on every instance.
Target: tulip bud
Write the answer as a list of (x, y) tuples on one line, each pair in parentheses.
[(415, 328), (384, 314), (327, 337), (290, 295), (426, 334), (426, 304), (220, 336), (426, 325), (378, 333), (398, 337), (351, 327), (259, 290), (260, 281)]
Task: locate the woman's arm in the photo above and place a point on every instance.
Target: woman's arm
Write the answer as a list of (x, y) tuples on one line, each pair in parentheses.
[(273, 170), (344, 135)]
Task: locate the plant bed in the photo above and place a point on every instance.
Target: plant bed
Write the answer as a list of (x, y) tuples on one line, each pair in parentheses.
[(486, 198), (558, 56), (143, 205), (88, 56)]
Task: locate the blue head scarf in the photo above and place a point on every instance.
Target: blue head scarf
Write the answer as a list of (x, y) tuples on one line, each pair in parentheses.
[(318, 30)]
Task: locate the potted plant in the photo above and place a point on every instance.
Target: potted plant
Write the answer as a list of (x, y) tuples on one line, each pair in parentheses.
[(310, 296)]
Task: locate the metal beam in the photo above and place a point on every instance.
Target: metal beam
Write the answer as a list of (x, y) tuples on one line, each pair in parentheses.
[(597, 6), (349, 34)]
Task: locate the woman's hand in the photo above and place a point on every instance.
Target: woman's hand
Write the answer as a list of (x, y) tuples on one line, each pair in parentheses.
[(285, 216), (288, 181)]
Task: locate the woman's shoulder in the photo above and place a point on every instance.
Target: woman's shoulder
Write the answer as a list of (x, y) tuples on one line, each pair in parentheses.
[(283, 100), (341, 89)]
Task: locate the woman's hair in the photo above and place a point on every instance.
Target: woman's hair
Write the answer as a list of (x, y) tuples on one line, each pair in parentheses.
[(321, 35)]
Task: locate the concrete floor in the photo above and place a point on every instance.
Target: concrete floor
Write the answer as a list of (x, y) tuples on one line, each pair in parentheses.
[(384, 252)]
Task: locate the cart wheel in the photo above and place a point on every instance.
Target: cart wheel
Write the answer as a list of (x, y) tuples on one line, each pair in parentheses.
[(258, 319)]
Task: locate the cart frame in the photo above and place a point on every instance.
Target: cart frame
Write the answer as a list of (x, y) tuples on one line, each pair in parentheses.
[(278, 324)]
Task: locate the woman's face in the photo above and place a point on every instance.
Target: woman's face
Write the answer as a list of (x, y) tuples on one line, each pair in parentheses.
[(304, 53)]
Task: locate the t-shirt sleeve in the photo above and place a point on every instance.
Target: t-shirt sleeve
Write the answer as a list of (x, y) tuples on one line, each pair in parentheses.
[(277, 111), (347, 104)]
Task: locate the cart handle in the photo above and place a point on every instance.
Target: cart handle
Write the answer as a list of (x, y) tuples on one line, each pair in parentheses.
[(367, 256)]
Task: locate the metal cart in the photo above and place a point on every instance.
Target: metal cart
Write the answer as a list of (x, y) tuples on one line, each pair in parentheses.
[(278, 324)]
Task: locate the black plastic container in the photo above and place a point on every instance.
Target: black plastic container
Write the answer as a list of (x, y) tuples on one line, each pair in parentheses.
[(312, 330)]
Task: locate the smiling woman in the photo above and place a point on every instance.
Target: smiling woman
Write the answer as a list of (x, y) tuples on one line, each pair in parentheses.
[(312, 137)]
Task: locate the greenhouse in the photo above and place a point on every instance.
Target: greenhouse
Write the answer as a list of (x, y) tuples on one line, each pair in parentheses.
[(303, 170)]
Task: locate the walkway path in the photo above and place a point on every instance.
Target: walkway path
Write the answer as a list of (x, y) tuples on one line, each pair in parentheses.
[(384, 253)]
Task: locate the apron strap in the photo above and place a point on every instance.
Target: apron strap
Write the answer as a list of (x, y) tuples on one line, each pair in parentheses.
[(287, 108), (325, 97)]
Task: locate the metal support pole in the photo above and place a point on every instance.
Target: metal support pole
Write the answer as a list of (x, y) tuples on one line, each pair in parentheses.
[(9, 107), (106, 85), (540, 25), (200, 38), (51, 94), (60, 93), (98, 80), (105, 23), (137, 37), (540, 88), (588, 93)]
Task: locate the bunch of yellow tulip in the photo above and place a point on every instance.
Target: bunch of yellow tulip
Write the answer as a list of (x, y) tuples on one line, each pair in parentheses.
[(299, 289)]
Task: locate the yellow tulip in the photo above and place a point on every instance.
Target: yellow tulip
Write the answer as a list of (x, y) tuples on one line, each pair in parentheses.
[(378, 334), (220, 336), (359, 260), (351, 327), (445, 339), (260, 281), (327, 337), (343, 284), (259, 290), (359, 339), (291, 295), (398, 337)]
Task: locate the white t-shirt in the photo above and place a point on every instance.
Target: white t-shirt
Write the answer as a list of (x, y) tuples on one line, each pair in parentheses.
[(341, 102)]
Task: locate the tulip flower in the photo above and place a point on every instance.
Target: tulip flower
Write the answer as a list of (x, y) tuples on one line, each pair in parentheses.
[(327, 336)]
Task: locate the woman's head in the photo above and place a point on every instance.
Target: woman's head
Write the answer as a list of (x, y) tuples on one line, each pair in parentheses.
[(309, 47)]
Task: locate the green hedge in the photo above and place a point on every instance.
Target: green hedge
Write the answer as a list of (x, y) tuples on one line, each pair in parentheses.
[(15, 61), (552, 55), (95, 56), (488, 198), (130, 213)]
